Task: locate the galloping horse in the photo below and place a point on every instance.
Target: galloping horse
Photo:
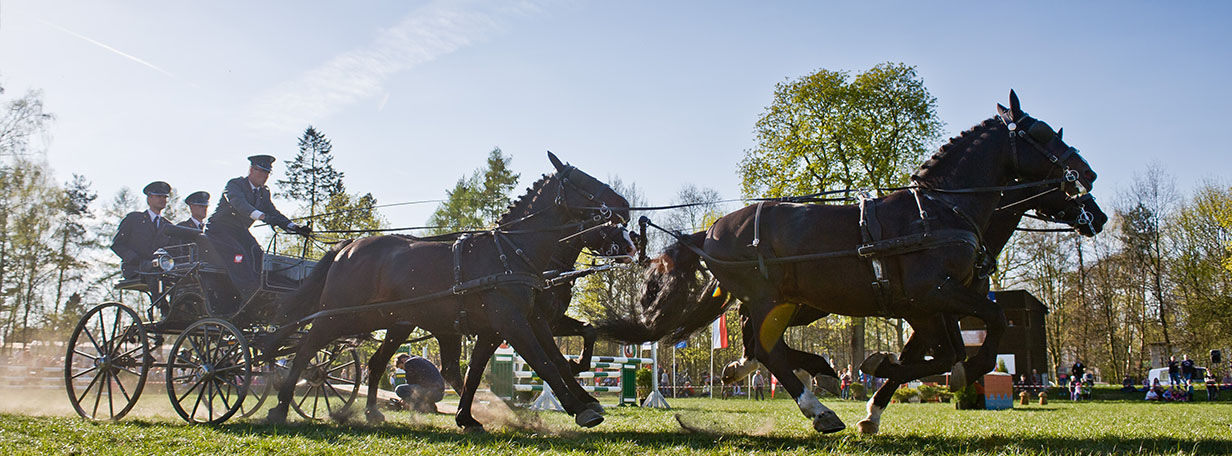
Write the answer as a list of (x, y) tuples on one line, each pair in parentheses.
[(604, 241), (1081, 213), (481, 284), (909, 255)]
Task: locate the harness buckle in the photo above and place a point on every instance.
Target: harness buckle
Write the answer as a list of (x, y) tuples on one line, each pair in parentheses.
[(866, 250)]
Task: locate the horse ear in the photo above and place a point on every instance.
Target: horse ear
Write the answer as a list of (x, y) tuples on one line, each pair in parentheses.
[(1004, 112), (1060, 132), (556, 161), (1015, 109)]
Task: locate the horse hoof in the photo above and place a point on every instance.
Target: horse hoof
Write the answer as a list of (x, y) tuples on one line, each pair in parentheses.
[(588, 418), (870, 364), (827, 423), (374, 416), (958, 376), (597, 407), (867, 427), (276, 416), (830, 384), (474, 429)]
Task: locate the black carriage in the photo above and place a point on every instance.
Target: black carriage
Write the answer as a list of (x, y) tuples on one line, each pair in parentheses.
[(203, 340)]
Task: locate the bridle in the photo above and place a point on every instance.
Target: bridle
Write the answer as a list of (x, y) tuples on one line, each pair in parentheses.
[(603, 213), (1037, 134)]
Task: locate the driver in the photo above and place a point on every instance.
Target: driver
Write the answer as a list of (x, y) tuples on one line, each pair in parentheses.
[(245, 200)]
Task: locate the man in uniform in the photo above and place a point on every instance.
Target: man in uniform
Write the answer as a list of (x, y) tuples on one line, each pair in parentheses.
[(245, 200), (139, 235), (198, 206)]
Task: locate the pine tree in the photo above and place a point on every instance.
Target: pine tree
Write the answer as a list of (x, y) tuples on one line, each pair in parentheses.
[(477, 201), (311, 177)]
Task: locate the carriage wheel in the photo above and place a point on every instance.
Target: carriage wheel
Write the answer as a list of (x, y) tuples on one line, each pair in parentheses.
[(265, 377), (329, 384), (209, 371), (107, 362)]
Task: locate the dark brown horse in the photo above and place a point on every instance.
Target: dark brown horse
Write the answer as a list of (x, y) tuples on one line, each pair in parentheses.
[(1082, 214), (605, 241), (480, 284), (779, 257)]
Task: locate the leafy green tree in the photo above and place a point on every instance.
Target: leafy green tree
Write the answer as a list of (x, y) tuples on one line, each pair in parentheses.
[(828, 130), (311, 177), (479, 200)]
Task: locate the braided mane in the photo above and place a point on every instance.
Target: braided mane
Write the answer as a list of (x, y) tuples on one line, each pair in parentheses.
[(520, 206), (958, 145)]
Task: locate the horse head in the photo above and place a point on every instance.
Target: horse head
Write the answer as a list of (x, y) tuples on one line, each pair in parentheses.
[(1040, 154), (609, 241), (586, 197), (1080, 212)]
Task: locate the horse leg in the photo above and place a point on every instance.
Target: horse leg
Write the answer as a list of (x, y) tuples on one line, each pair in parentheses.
[(312, 342), (566, 326), (545, 335), (769, 320), (957, 300), (913, 352), (377, 365), (513, 325), (485, 346), (816, 366), (451, 352)]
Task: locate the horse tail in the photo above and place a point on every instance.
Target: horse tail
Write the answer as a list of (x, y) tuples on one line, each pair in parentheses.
[(678, 298), (306, 299)]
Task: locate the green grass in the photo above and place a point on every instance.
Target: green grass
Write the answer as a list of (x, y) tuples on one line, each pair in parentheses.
[(716, 427)]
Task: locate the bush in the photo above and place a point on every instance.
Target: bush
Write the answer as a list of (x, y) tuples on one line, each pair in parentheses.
[(1001, 367), (902, 395), (928, 393), (645, 380), (967, 398), (856, 391)]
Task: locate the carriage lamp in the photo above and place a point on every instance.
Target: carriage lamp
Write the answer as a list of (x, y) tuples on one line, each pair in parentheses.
[(162, 261)]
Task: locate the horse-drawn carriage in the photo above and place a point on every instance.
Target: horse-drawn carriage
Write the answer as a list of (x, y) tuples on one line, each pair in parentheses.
[(202, 340)]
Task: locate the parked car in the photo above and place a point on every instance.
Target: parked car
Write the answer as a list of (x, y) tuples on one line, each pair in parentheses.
[(1162, 374)]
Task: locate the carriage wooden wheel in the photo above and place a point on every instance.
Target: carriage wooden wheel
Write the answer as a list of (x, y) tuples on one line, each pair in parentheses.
[(330, 383), (107, 362), (209, 371)]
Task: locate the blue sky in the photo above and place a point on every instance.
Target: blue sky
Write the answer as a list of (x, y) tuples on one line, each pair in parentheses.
[(414, 94)]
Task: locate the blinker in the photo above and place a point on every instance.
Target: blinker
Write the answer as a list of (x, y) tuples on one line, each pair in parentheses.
[(1041, 132)]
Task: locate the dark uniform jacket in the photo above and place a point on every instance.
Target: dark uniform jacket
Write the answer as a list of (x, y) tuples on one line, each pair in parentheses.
[(189, 223), (238, 200), (136, 240)]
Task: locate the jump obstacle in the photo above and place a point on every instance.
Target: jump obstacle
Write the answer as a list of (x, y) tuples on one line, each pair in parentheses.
[(510, 375)]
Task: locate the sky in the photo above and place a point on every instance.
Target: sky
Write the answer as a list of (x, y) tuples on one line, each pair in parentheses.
[(414, 94)]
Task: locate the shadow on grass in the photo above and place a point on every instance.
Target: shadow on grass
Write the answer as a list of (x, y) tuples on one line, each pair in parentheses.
[(845, 442)]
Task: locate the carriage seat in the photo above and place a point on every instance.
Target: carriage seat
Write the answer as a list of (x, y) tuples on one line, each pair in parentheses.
[(134, 284)]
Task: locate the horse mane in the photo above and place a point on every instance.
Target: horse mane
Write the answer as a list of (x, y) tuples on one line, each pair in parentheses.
[(523, 202), (960, 144)]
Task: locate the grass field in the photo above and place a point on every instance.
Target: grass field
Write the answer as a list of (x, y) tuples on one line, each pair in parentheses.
[(709, 427)]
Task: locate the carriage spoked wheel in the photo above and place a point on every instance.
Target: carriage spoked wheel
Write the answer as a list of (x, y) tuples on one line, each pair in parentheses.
[(265, 378), (329, 384), (209, 371), (107, 362)]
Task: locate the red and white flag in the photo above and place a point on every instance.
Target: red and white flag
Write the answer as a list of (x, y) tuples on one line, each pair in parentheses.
[(718, 332)]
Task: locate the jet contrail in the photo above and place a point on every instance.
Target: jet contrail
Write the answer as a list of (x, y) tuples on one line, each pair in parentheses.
[(109, 48)]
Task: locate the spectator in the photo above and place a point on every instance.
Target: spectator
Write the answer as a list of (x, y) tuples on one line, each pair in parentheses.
[(1227, 380), (1075, 390), (1151, 395), (1212, 387), (1077, 369), (1174, 371), (1127, 384), (759, 384), (1187, 370)]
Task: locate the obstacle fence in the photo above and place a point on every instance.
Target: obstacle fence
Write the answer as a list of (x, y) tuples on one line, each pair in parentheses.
[(510, 375)]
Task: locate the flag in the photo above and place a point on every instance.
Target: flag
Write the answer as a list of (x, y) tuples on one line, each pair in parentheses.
[(718, 332), (682, 344)]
